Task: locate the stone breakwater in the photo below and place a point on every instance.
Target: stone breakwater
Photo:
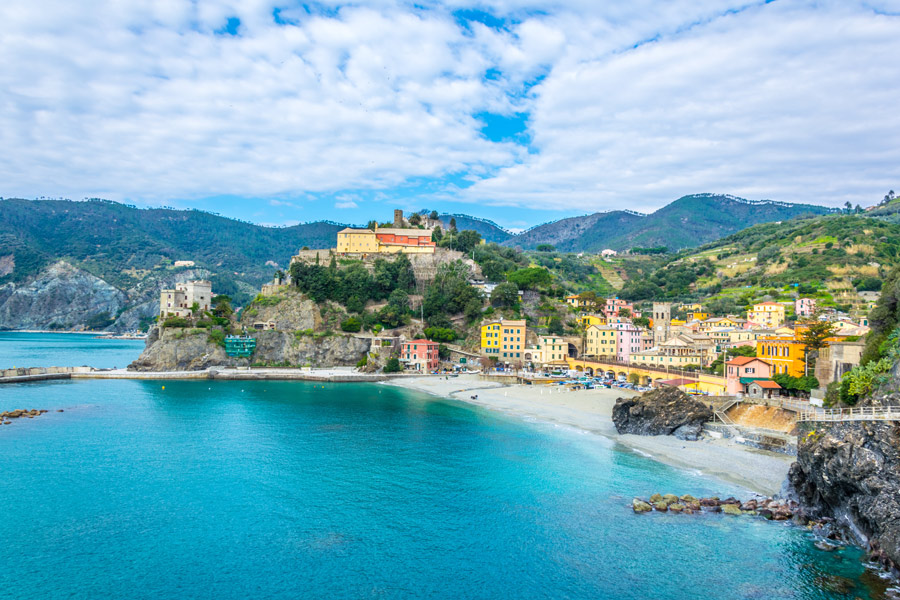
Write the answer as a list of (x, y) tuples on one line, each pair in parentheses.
[(21, 413), (769, 508)]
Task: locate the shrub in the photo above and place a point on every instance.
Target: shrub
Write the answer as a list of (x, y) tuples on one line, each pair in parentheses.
[(393, 365), (175, 322), (217, 337), (261, 300), (363, 361), (440, 334), (351, 325)]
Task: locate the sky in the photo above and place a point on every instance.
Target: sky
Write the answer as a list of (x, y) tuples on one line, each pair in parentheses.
[(523, 112)]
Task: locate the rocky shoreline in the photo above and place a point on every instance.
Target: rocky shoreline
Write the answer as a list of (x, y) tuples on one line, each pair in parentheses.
[(21, 413)]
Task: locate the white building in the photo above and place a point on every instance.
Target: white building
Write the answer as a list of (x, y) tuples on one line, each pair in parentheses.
[(178, 302)]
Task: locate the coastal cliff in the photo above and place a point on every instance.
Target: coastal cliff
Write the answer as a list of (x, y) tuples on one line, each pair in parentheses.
[(183, 349), (850, 472)]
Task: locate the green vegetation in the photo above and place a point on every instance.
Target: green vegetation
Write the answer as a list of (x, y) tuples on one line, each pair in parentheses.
[(217, 337), (176, 322), (440, 334), (796, 384), (393, 365), (351, 324)]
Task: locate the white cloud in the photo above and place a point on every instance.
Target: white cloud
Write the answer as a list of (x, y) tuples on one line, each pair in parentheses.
[(640, 102)]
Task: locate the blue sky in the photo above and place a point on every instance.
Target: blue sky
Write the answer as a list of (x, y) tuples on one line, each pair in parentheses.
[(281, 112)]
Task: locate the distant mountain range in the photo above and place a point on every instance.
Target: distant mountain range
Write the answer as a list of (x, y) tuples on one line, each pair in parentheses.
[(687, 222)]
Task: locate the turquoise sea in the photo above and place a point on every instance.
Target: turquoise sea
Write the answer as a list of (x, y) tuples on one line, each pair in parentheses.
[(293, 490)]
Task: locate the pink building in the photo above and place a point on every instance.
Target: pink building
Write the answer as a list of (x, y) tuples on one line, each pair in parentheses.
[(804, 307), (741, 371), (628, 340), (614, 305), (421, 355)]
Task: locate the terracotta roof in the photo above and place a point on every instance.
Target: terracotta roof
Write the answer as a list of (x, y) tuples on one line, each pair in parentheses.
[(768, 384), (739, 361)]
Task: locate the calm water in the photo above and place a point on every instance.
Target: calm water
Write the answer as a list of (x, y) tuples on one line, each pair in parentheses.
[(65, 350), (293, 490)]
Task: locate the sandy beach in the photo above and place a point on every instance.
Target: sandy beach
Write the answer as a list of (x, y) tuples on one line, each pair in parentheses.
[(591, 410)]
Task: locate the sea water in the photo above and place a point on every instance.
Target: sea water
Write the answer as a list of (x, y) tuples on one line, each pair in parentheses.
[(199, 489)]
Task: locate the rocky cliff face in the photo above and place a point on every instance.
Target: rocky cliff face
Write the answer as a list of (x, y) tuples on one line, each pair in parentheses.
[(664, 411), (65, 296), (293, 312), (191, 350), (61, 295), (850, 472)]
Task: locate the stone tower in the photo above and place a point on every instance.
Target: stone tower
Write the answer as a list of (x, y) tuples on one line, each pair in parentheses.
[(662, 317), (398, 218)]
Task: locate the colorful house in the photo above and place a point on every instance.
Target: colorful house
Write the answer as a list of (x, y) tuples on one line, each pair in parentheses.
[(767, 314), (787, 356), (504, 339), (743, 370), (804, 307), (576, 301), (588, 320), (549, 350), (420, 355), (601, 341)]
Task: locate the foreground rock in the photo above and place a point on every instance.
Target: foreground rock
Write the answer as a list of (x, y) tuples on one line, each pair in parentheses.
[(185, 349), (664, 411), (19, 413), (849, 473)]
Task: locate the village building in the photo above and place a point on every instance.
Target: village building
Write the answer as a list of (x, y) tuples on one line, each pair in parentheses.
[(836, 359), (787, 356), (550, 350), (179, 302), (420, 355), (764, 388), (804, 307), (741, 371), (601, 341), (767, 314), (504, 339)]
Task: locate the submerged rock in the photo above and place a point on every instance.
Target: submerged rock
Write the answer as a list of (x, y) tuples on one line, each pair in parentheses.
[(664, 411), (731, 509)]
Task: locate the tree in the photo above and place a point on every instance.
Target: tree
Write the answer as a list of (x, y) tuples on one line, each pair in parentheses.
[(467, 240), (222, 306), (530, 277), (634, 378), (545, 248), (625, 313), (393, 365), (195, 307), (437, 235), (642, 322), (555, 326), (415, 219), (440, 334), (590, 300), (443, 352), (816, 333), (472, 309), (505, 295), (434, 215), (453, 224)]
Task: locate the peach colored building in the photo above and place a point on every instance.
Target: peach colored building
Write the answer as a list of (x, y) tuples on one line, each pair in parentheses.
[(740, 371)]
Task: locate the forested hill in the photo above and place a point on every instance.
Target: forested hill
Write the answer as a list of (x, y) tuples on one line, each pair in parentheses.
[(114, 241), (685, 223)]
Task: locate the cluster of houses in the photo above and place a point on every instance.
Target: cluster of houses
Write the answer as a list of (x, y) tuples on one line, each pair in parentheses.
[(610, 335)]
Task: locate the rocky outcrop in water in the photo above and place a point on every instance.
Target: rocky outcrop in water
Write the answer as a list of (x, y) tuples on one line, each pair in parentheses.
[(664, 411), (177, 349), (850, 473)]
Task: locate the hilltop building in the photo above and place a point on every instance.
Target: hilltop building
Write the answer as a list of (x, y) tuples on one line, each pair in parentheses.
[(385, 241), (178, 302)]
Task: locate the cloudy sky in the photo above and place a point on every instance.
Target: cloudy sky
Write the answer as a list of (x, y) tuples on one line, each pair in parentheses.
[(519, 111)]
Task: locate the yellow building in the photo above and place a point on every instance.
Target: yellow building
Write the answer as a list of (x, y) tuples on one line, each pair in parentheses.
[(576, 301), (385, 241), (504, 339), (785, 355), (691, 307), (588, 320), (601, 340), (697, 316), (549, 349), (767, 314)]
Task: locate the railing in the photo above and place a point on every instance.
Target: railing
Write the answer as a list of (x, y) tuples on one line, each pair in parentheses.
[(799, 406), (863, 413)]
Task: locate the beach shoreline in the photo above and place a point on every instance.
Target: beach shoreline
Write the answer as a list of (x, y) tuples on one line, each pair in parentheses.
[(758, 471)]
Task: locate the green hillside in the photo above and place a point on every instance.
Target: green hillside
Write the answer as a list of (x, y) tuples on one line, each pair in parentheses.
[(685, 223), (117, 242), (831, 257)]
